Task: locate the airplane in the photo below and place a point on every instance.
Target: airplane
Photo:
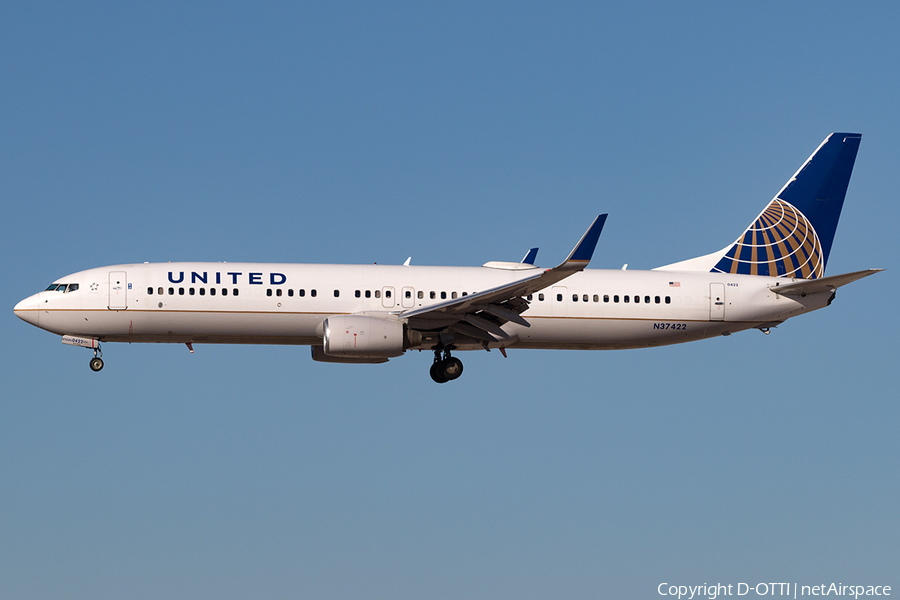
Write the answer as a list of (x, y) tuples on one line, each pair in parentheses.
[(775, 270)]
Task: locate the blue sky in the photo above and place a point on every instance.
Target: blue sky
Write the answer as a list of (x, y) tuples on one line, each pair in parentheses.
[(358, 133)]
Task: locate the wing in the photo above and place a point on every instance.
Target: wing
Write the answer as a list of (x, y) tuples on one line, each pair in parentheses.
[(480, 315)]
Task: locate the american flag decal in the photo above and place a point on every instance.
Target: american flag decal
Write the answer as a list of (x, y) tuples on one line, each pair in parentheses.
[(674, 284)]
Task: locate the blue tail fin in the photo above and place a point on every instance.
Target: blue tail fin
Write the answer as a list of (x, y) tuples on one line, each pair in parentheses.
[(793, 235)]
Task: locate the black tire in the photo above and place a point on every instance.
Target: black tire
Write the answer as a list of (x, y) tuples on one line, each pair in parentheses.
[(451, 368), (437, 372), (96, 364)]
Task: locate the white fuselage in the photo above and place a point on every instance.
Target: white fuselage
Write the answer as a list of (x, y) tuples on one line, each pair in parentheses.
[(271, 303)]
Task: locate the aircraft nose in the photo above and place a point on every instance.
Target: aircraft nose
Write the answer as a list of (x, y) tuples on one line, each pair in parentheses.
[(27, 310)]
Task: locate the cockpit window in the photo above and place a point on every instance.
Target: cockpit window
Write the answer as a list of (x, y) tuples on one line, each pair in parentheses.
[(62, 287)]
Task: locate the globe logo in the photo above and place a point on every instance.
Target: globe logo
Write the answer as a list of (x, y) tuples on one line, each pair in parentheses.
[(780, 243)]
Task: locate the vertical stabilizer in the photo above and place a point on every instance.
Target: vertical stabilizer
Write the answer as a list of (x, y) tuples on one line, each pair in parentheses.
[(792, 237)]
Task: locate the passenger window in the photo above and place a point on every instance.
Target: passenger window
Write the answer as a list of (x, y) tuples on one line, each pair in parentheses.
[(171, 291), (159, 291), (301, 293), (453, 295), (616, 298), (668, 300), (291, 293), (421, 294), (646, 299), (540, 297), (150, 291), (625, 299), (408, 294), (637, 299), (224, 291), (585, 298), (337, 293), (212, 291), (657, 299), (357, 293), (191, 291), (378, 293), (529, 297), (312, 293), (202, 291), (269, 292), (559, 297), (368, 293), (234, 292), (596, 298), (432, 295), (465, 293), (278, 292), (443, 295), (181, 291), (606, 297), (574, 297)]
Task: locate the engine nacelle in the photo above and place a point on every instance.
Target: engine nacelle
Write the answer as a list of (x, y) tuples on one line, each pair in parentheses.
[(362, 336), (318, 355)]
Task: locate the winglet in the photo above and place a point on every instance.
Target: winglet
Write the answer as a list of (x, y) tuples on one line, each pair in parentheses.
[(584, 249), (530, 257)]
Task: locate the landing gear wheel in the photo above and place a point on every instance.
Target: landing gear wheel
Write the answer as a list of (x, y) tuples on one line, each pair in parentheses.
[(451, 368), (445, 368), (437, 373), (96, 363)]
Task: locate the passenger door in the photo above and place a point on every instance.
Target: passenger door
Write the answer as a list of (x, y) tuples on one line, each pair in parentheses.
[(118, 290), (717, 302)]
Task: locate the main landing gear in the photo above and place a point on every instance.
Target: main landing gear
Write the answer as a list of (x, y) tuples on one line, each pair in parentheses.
[(97, 361), (446, 368)]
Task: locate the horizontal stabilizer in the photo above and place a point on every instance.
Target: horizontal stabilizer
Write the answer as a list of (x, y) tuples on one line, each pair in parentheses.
[(817, 286)]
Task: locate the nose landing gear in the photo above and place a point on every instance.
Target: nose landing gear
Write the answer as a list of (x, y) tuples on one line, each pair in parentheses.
[(446, 368), (97, 362)]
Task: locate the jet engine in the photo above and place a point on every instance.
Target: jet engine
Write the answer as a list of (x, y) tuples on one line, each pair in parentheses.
[(363, 336)]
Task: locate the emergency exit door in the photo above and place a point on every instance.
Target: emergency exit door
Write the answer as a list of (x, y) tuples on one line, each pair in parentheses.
[(559, 301)]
